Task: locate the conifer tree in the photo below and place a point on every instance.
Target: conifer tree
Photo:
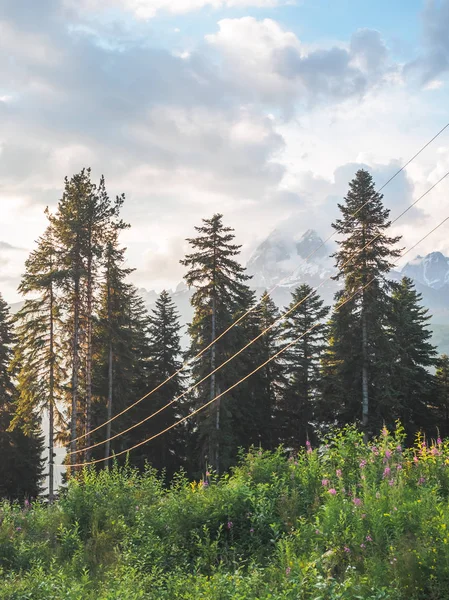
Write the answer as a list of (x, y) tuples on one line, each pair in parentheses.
[(219, 282), (164, 351), (303, 365), (358, 357), (39, 354), (412, 385), (83, 218), (112, 345), (442, 397), (21, 463)]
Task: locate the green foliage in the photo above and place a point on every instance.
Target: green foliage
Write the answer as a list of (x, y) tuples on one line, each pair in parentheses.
[(347, 520)]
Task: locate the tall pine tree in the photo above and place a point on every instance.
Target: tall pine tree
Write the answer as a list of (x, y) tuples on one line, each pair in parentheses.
[(218, 280), (21, 449), (412, 385), (297, 409), (39, 354), (164, 352), (359, 354)]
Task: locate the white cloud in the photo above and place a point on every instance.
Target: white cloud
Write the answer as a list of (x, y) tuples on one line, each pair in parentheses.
[(272, 65), (147, 9)]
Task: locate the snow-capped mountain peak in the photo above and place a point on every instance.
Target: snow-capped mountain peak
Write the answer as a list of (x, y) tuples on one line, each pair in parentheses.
[(289, 258), (431, 270)]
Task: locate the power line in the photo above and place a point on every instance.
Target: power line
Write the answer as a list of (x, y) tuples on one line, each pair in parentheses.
[(244, 315), (204, 406), (281, 317)]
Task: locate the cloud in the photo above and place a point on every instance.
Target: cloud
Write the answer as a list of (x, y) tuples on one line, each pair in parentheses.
[(147, 9), (7, 246), (434, 58), (271, 64)]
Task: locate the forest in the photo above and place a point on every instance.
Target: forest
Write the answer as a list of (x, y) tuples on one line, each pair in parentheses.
[(237, 468)]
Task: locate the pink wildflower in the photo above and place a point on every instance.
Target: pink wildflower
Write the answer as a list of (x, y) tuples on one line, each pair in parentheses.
[(369, 538), (391, 482), (317, 531), (386, 472), (362, 546), (347, 549), (439, 441), (338, 472), (287, 571), (251, 530), (384, 431), (325, 482), (363, 516), (230, 524), (362, 464), (399, 467), (421, 480), (415, 460), (387, 453), (357, 501), (332, 491)]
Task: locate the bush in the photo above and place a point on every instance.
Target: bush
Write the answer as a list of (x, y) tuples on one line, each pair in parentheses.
[(344, 521)]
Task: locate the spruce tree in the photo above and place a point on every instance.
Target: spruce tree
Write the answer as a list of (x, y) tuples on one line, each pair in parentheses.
[(164, 352), (120, 345), (297, 409), (21, 465), (442, 396), (412, 385), (39, 354), (359, 355), (272, 376), (218, 280)]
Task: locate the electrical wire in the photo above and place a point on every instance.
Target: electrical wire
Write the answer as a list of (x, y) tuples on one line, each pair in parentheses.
[(240, 381)]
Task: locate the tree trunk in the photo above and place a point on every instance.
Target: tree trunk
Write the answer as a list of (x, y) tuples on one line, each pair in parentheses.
[(110, 379), (51, 408), (89, 350), (75, 367), (365, 399), (213, 439)]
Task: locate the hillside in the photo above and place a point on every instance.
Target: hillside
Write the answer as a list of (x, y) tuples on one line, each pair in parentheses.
[(345, 521)]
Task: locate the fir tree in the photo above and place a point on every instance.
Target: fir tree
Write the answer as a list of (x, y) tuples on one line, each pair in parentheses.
[(358, 358), (412, 385), (38, 360), (303, 364), (21, 465), (120, 358), (164, 351), (442, 381), (218, 279), (272, 376)]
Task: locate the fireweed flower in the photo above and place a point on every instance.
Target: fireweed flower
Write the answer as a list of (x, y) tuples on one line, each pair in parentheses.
[(317, 531), (439, 441), (347, 549), (415, 460), (207, 474), (251, 530), (384, 431), (357, 501), (332, 491), (325, 482), (391, 482), (338, 472), (386, 472), (230, 524), (287, 571), (362, 464), (369, 538), (421, 480), (398, 467), (387, 453), (362, 546)]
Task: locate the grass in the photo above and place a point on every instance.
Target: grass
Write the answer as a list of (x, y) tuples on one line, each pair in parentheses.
[(343, 521)]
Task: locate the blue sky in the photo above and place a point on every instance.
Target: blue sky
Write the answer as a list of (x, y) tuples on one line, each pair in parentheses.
[(260, 109)]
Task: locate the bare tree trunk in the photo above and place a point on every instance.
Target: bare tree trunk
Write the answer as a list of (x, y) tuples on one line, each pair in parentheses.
[(75, 368), (89, 353), (110, 381), (51, 407)]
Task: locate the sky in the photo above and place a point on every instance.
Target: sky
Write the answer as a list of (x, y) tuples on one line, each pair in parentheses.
[(259, 109)]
